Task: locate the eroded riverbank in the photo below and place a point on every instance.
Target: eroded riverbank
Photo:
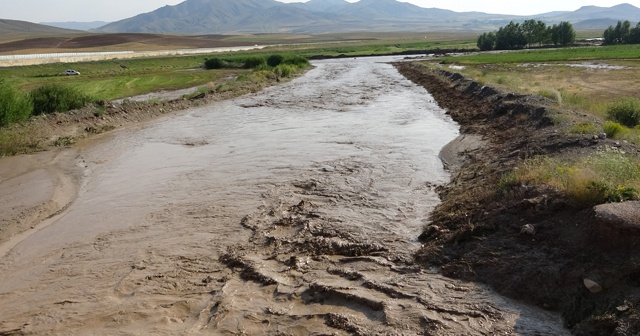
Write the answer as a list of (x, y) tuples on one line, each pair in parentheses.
[(290, 211), (528, 241)]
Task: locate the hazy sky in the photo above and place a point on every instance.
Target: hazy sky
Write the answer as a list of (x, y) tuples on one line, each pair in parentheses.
[(113, 10)]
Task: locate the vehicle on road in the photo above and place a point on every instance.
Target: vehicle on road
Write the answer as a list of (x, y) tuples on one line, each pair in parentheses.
[(70, 72)]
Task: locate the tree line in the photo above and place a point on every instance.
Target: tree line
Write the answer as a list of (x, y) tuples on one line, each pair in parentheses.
[(622, 33), (529, 33)]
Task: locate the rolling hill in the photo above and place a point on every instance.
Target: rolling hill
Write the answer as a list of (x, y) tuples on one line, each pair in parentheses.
[(199, 17), (15, 27)]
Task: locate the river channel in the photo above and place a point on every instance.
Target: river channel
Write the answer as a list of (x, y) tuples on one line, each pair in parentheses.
[(291, 211)]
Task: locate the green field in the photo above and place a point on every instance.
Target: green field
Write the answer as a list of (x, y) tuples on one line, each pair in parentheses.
[(617, 52), (106, 80)]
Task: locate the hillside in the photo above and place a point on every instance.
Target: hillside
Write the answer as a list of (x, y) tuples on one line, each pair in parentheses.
[(316, 16), (200, 17), (15, 27)]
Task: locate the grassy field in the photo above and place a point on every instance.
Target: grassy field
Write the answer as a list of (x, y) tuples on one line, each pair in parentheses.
[(617, 52), (588, 79), (113, 79)]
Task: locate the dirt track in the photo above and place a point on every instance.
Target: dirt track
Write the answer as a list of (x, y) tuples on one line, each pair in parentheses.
[(290, 211)]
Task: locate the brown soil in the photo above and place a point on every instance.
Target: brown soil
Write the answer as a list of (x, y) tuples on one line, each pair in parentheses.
[(477, 231), (86, 42)]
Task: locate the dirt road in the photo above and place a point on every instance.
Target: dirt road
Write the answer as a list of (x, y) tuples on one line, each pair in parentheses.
[(293, 211)]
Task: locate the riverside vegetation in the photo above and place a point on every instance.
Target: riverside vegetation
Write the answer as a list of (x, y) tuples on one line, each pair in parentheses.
[(55, 94), (519, 213)]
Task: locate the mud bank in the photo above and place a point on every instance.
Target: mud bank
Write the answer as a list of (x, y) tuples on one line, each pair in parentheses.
[(477, 232)]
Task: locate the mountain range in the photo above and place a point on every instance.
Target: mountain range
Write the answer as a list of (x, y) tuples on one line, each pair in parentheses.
[(333, 16)]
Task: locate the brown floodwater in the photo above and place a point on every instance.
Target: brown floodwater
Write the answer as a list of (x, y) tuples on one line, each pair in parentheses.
[(292, 211)]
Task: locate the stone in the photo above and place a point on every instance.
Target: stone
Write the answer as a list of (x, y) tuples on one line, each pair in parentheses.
[(602, 136), (528, 229), (592, 286), (623, 217)]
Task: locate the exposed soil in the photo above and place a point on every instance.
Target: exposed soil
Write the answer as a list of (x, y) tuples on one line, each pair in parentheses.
[(480, 232), (291, 211), (152, 41)]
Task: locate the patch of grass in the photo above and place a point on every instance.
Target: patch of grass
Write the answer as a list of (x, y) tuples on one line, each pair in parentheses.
[(586, 128), (553, 55), (608, 176), (15, 106), (574, 99), (625, 111), (19, 140), (552, 94), (614, 129)]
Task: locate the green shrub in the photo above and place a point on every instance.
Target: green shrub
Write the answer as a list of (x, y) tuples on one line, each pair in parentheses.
[(254, 62), (15, 106), (214, 63), (284, 70), (586, 128), (613, 129), (299, 61), (625, 111), (275, 60), (51, 98)]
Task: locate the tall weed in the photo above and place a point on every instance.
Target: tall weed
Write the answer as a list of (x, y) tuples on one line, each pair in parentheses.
[(625, 111), (15, 106), (51, 98)]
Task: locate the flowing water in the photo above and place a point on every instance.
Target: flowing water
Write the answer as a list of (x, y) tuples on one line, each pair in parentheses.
[(292, 211)]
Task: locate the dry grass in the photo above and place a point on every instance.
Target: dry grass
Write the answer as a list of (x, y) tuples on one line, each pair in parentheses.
[(605, 176)]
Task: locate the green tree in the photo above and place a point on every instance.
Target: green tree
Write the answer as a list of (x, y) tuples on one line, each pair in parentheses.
[(609, 36), (634, 36), (534, 31), (510, 37), (623, 31), (487, 41), (563, 34)]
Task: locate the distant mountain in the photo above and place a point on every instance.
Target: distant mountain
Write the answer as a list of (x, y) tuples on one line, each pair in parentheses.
[(269, 16), (321, 5), (619, 12), (76, 25), (24, 27), (331, 16)]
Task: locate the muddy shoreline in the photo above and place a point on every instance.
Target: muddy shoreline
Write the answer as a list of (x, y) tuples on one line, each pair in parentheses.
[(477, 232), (50, 154)]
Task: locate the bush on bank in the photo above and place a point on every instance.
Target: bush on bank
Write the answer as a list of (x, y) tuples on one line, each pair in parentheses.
[(51, 98), (625, 111), (15, 106)]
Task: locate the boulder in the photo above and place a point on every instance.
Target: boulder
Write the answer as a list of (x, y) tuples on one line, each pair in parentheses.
[(622, 217)]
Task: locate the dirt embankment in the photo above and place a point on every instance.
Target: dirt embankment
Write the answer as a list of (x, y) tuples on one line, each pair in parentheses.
[(528, 242)]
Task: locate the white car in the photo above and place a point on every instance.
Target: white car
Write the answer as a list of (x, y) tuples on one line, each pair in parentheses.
[(71, 72)]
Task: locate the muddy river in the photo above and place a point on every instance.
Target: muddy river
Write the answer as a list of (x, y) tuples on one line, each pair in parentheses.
[(293, 211)]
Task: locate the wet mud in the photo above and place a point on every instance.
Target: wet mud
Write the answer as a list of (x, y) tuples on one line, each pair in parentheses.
[(292, 211)]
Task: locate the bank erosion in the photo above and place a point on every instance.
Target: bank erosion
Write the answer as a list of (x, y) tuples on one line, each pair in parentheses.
[(529, 240)]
